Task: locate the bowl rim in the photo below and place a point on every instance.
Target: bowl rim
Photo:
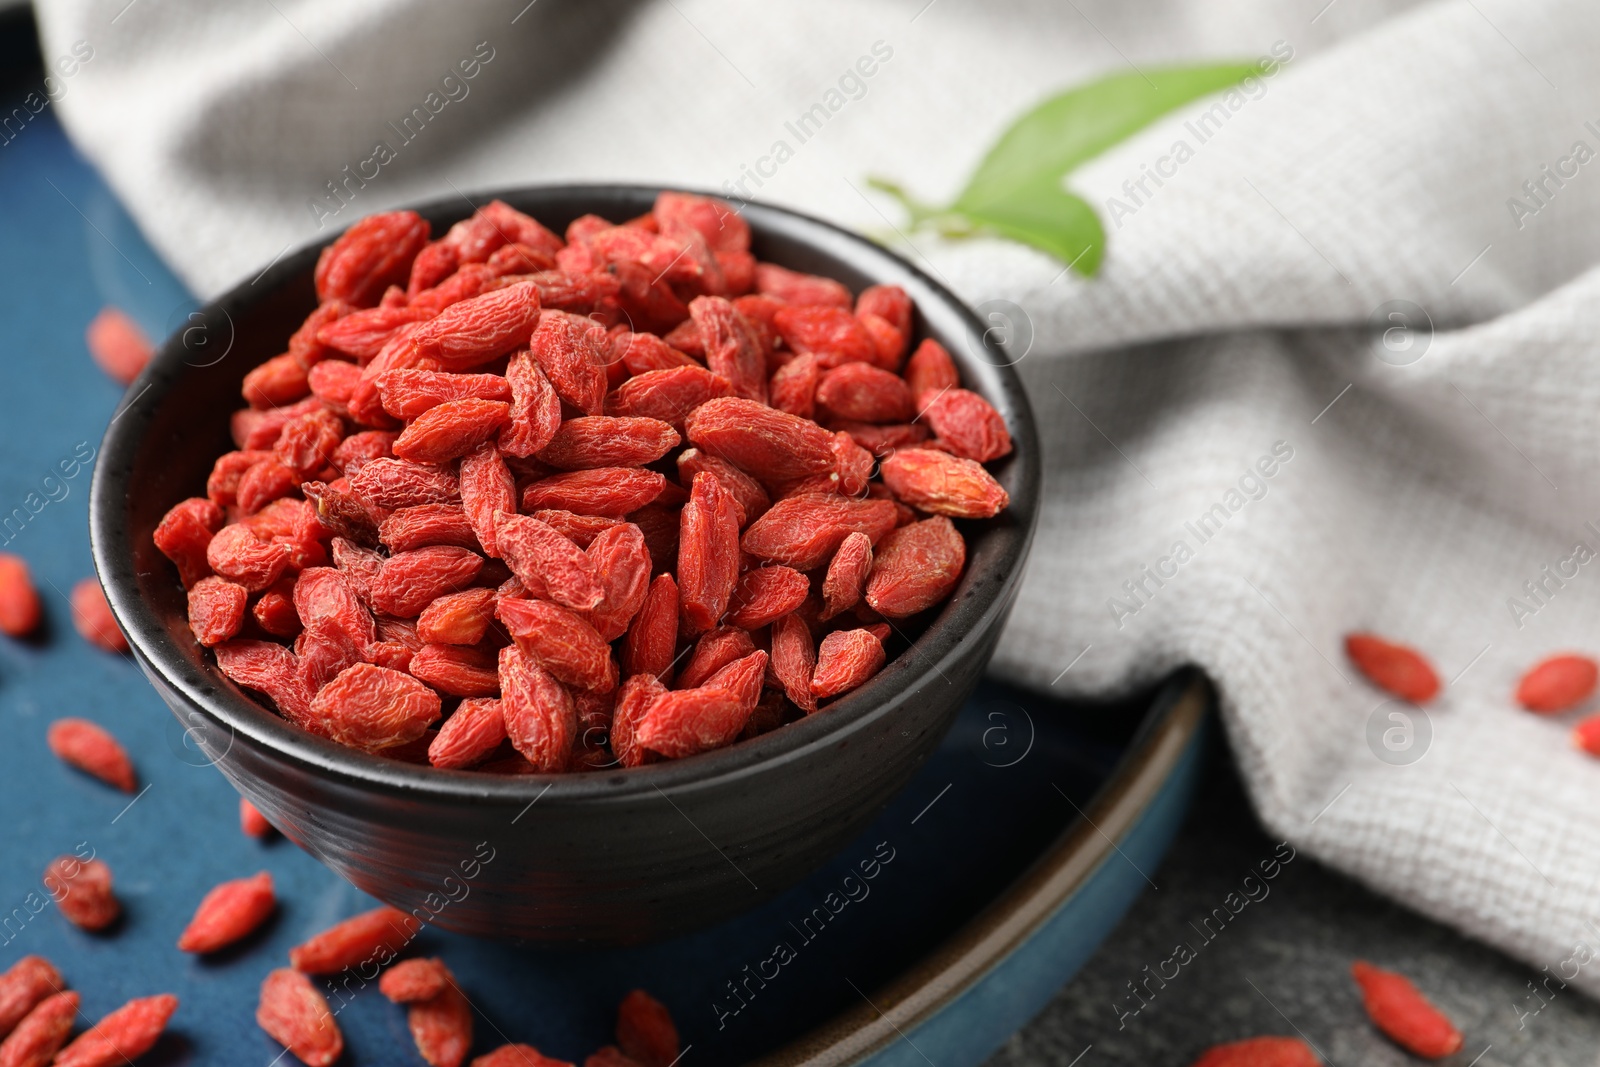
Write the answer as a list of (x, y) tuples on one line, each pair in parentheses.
[(224, 706)]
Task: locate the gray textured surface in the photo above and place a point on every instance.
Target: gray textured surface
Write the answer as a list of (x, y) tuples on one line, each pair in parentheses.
[(1282, 963)]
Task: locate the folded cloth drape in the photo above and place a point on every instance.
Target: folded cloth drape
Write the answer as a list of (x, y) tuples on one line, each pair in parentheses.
[(1237, 473)]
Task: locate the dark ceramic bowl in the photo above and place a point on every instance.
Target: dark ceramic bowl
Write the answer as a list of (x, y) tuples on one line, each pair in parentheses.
[(612, 857)]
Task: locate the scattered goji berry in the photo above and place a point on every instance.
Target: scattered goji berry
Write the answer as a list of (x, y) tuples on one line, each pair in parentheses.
[(1260, 1052), (296, 1015), (1558, 683), (412, 980), (1394, 668), (645, 1030), (82, 890), (26, 984), (518, 1056), (92, 618), (1586, 735), (91, 749), (252, 822), (373, 935), (441, 1026), (42, 1032), (610, 1056), (1404, 1014), (121, 1037), (118, 345), (230, 912), (20, 610)]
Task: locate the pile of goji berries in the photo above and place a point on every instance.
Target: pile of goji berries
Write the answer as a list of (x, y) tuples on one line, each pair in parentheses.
[(533, 504)]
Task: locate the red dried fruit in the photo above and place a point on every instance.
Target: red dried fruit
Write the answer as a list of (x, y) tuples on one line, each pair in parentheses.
[(263, 483), (370, 256), (794, 386), (123, 1036), (547, 562), (251, 821), (269, 668), (1260, 1052), (847, 574), (92, 618), (607, 491), (1558, 683), (216, 610), (634, 698), (845, 659), (23, 987), (426, 525), (610, 1056), (436, 262), (884, 440), (457, 618), (412, 980), (184, 533), (518, 1056), (794, 658), (569, 349), (645, 352), (456, 670), (408, 393), (535, 408), (888, 342), (683, 722), (765, 594), (450, 430), (769, 444), (732, 349), (230, 912), (722, 227), (622, 564), (468, 737), (854, 464), (943, 484), (968, 424), (669, 395), (1586, 735), (410, 581), (685, 337), (862, 392), (92, 750), (41, 1033), (916, 567), (486, 487), (609, 441), (541, 721), (645, 1030), (805, 531), (82, 891), (708, 554), (341, 514), (362, 334), (372, 708), (296, 1016), (1404, 1014), (441, 1026), (279, 381), (930, 371), (475, 330), (830, 332), (888, 302), (396, 483), (376, 935), (1396, 669), (252, 430), (794, 287), (752, 498), (20, 610), (653, 637), (714, 651), (118, 345), (561, 641), (359, 449), (469, 280)]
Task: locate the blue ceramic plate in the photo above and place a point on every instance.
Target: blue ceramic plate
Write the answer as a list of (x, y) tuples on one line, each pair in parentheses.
[(978, 892)]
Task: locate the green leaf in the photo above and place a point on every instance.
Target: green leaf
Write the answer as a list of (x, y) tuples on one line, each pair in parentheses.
[(1050, 219), (1076, 125)]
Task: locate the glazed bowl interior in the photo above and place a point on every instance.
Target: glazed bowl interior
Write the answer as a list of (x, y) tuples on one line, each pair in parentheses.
[(161, 445)]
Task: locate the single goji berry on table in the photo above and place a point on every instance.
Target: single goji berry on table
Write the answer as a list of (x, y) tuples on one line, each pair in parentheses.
[(376, 935), (123, 1036), (441, 1026), (91, 749), (296, 1015), (518, 1056), (413, 980), (82, 891), (1260, 1052), (645, 1030), (1558, 683), (26, 984), (229, 913), (118, 345), (1394, 668), (20, 610), (252, 822), (41, 1033), (92, 618), (1404, 1014)]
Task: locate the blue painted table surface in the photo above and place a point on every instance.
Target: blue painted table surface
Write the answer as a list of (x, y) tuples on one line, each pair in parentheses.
[(965, 828)]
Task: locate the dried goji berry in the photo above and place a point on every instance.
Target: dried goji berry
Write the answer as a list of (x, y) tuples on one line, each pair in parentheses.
[(412, 980), (457, 618), (641, 353), (968, 424), (845, 659), (936, 481), (561, 641), (408, 393), (82, 890), (518, 1056), (251, 821), (376, 935), (793, 387), (722, 227), (610, 1056), (682, 722), (341, 514), (1586, 735), (930, 371), (804, 531), (25, 985), (1558, 683), (450, 430), (216, 610), (568, 348), (548, 562), (622, 564), (20, 610), (118, 345), (468, 281), (888, 302), (263, 483), (88, 747), (92, 618), (685, 337), (469, 736), (885, 439), (1394, 668), (276, 383), (854, 464), (794, 287), (708, 554), (794, 658), (847, 574), (486, 487), (608, 491), (862, 392), (645, 1030), (123, 1036), (764, 594), (370, 256), (296, 1016), (752, 498), (410, 581), (230, 912), (441, 1026), (372, 708), (362, 334), (427, 524), (358, 449), (916, 567), (397, 483), (1260, 1052), (715, 650), (272, 670), (1405, 1015), (473, 331), (669, 394), (42, 1032), (608, 441), (830, 332), (183, 534), (541, 721), (653, 637), (259, 429), (456, 670), (732, 349), (769, 444)]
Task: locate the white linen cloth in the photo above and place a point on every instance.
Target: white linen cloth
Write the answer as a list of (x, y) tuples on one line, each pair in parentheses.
[(1382, 164)]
